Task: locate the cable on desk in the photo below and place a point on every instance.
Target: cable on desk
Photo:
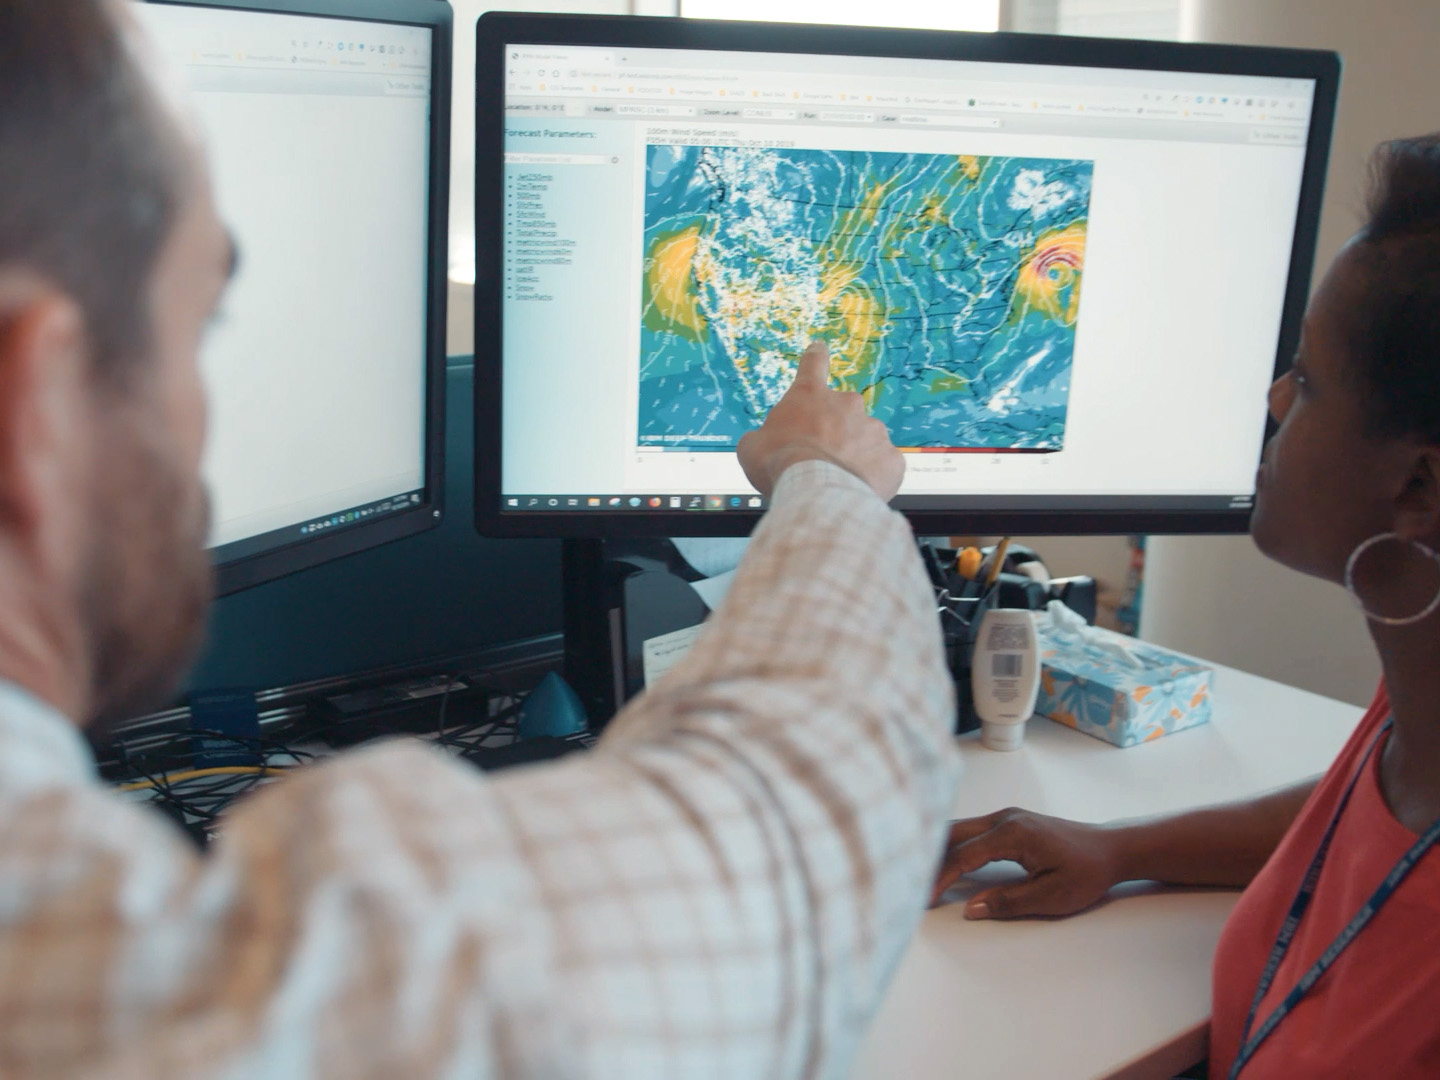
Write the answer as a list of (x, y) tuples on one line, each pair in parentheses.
[(197, 798), (168, 779), (444, 705), (469, 736)]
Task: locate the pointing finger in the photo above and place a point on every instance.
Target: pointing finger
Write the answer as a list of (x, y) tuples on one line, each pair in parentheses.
[(814, 367)]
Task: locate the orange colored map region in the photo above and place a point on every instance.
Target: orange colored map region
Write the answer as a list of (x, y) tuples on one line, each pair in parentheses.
[(1048, 278), (669, 281)]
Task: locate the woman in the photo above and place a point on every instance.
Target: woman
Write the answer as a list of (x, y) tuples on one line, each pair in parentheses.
[(1330, 963)]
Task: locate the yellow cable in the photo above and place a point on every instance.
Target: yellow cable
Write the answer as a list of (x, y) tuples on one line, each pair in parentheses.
[(196, 774)]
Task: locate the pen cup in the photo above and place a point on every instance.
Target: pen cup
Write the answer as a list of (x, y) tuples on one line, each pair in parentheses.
[(960, 617)]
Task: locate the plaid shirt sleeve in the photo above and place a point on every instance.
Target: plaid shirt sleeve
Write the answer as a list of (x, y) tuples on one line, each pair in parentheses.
[(720, 890)]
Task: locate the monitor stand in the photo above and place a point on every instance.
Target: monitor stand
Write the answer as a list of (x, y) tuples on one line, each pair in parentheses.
[(618, 595)]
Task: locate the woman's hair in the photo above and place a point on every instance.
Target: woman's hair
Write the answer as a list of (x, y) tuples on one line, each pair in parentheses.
[(1396, 324)]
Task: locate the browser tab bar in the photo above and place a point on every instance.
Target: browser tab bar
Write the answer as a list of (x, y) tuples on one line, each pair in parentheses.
[(646, 83)]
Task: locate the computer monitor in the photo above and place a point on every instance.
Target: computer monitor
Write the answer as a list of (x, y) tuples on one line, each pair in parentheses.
[(1062, 271), (327, 130)]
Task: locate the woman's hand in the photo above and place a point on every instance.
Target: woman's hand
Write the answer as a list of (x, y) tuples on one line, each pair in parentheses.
[(1071, 865)]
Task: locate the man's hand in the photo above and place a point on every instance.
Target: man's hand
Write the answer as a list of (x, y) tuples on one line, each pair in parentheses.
[(1071, 865), (812, 422)]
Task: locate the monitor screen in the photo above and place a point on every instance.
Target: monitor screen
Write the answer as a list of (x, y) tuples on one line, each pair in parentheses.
[(1062, 279), (321, 370)]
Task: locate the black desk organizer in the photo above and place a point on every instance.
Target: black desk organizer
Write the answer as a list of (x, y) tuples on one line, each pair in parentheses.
[(960, 613), (960, 624), (961, 604)]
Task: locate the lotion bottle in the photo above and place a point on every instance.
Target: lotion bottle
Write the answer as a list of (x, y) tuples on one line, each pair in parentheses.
[(1005, 676)]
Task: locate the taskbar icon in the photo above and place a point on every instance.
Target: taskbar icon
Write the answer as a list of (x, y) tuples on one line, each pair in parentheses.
[(630, 503)]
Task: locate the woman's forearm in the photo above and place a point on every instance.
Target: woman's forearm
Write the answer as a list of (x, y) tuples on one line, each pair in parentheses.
[(1217, 845)]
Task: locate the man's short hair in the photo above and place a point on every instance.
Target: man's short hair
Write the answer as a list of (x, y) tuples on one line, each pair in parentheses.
[(88, 180)]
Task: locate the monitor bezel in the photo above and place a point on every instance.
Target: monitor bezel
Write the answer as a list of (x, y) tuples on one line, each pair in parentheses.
[(246, 571), (495, 31)]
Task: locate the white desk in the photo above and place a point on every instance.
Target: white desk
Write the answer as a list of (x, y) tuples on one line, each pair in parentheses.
[(1124, 989)]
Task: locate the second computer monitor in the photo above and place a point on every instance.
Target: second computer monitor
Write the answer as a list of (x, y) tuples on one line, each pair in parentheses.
[(1062, 272), (327, 138)]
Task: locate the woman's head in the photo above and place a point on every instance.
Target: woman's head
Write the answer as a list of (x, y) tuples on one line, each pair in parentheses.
[(1358, 449), (1394, 332)]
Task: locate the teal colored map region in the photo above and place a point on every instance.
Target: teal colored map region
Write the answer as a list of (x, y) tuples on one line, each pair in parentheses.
[(948, 288)]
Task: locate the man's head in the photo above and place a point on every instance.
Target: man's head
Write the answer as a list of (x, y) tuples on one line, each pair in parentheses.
[(112, 260)]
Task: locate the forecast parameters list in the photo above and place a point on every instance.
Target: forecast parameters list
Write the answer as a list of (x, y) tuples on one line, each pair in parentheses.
[(549, 214), (534, 245)]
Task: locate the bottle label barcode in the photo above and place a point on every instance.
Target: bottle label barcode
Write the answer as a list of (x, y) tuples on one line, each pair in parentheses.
[(1006, 665)]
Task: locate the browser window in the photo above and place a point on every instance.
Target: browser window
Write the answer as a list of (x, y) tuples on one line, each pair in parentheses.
[(1051, 283), (318, 135)]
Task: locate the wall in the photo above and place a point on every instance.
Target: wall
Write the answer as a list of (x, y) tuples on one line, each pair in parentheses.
[(1157, 20), (1218, 597), (1105, 558)]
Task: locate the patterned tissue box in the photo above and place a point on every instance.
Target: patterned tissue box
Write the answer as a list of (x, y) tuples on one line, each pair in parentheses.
[(1117, 688)]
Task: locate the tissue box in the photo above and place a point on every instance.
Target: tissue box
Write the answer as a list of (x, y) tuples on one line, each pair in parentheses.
[(1117, 688)]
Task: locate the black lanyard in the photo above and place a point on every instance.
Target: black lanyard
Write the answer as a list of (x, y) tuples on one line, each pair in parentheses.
[(1377, 900)]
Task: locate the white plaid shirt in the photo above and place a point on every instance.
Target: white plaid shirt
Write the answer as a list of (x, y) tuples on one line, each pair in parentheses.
[(721, 889)]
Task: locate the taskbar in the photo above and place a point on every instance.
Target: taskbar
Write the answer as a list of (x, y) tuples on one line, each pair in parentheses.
[(364, 512), (305, 530), (917, 503), (1076, 503), (629, 503)]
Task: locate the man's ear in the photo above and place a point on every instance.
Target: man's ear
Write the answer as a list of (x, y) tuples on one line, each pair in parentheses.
[(44, 352), (1417, 509)]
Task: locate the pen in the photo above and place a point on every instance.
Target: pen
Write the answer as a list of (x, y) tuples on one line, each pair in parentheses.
[(996, 562)]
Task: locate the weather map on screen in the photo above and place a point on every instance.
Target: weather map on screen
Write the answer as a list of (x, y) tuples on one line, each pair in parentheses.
[(948, 288)]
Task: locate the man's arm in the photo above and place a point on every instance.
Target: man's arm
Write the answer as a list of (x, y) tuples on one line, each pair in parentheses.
[(776, 801), (799, 764), (720, 890)]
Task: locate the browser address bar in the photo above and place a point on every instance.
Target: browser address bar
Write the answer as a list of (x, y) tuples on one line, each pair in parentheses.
[(678, 75)]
